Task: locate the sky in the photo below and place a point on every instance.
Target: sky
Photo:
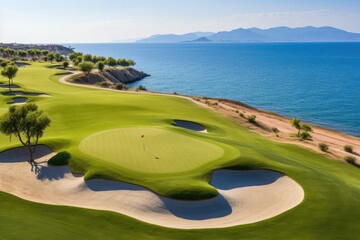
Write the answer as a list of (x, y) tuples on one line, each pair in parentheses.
[(100, 21)]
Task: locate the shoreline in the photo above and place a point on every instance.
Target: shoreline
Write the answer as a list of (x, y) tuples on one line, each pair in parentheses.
[(265, 120)]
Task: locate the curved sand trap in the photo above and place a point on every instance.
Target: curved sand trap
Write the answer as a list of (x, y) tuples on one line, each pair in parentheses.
[(19, 93), (245, 196), (18, 101), (190, 125)]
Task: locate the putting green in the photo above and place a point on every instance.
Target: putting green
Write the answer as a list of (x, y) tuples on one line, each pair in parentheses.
[(150, 150)]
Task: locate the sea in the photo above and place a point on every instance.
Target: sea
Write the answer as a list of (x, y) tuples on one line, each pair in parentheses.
[(317, 82)]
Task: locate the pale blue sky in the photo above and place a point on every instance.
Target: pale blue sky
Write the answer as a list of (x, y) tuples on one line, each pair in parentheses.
[(70, 21)]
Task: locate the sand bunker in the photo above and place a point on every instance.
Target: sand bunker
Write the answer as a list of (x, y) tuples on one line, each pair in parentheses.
[(18, 93), (245, 196), (190, 125), (18, 101)]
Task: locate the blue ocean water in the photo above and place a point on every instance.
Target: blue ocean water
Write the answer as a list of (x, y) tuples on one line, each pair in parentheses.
[(318, 82)]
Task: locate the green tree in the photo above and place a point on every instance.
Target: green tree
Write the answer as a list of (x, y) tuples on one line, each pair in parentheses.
[(22, 53), (296, 123), (32, 53), (38, 53), (44, 52), (100, 66), (131, 63), (50, 57), (122, 62), (111, 62), (65, 64), (26, 123), (86, 67), (2, 51), (10, 73), (87, 58)]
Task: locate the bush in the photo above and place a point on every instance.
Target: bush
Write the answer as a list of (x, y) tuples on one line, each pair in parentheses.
[(103, 84), (141, 88), (242, 115), (251, 119), (275, 130), (351, 160), (323, 147), (119, 86), (60, 159), (348, 148), (305, 136)]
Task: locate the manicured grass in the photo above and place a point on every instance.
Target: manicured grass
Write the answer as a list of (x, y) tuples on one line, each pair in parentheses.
[(332, 188), (150, 150)]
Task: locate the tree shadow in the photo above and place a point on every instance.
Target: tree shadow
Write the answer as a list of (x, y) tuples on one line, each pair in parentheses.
[(51, 173), (230, 179), (21, 154)]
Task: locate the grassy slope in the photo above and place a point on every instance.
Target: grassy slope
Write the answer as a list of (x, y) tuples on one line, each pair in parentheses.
[(332, 189)]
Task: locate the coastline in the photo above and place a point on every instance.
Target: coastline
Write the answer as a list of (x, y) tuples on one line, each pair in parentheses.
[(265, 120)]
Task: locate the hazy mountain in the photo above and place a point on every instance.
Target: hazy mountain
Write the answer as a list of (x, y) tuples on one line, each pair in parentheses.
[(173, 38), (277, 34)]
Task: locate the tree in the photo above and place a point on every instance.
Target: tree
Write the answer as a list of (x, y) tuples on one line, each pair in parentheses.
[(2, 51), (10, 73), (111, 62), (50, 57), (122, 62), (58, 57), (87, 58), (26, 123), (296, 123), (44, 52), (3, 63), (100, 66), (65, 64), (306, 128), (22, 53), (38, 53), (31, 52), (131, 63), (86, 67)]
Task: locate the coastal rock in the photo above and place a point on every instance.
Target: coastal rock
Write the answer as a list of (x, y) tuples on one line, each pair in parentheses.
[(112, 76), (126, 75)]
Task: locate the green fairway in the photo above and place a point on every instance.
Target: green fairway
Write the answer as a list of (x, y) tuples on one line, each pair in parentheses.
[(150, 150), (102, 131)]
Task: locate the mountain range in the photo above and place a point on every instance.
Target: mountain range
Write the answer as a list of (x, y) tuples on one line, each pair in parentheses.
[(276, 34)]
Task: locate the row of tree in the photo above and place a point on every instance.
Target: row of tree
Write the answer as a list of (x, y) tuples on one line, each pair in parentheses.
[(99, 61), (31, 54)]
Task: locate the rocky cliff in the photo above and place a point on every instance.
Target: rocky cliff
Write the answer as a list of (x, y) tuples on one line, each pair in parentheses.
[(112, 76)]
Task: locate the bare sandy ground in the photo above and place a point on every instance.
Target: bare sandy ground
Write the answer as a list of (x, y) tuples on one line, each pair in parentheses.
[(267, 120), (245, 196)]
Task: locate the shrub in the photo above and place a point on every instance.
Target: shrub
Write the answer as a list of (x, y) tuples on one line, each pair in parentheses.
[(141, 88), (241, 115), (323, 147), (119, 86), (348, 148), (60, 159), (237, 111), (103, 84), (351, 160), (275, 130), (305, 136), (251, 119)]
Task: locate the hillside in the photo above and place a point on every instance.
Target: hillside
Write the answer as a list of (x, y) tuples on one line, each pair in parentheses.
[(276, 34)]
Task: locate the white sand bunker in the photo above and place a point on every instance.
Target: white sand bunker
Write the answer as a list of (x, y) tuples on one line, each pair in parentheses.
[(245, 196), (19, 93), (190, 125), (18, 101)]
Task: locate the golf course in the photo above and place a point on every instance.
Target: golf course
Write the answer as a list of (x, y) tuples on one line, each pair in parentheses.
[(156, 166)]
